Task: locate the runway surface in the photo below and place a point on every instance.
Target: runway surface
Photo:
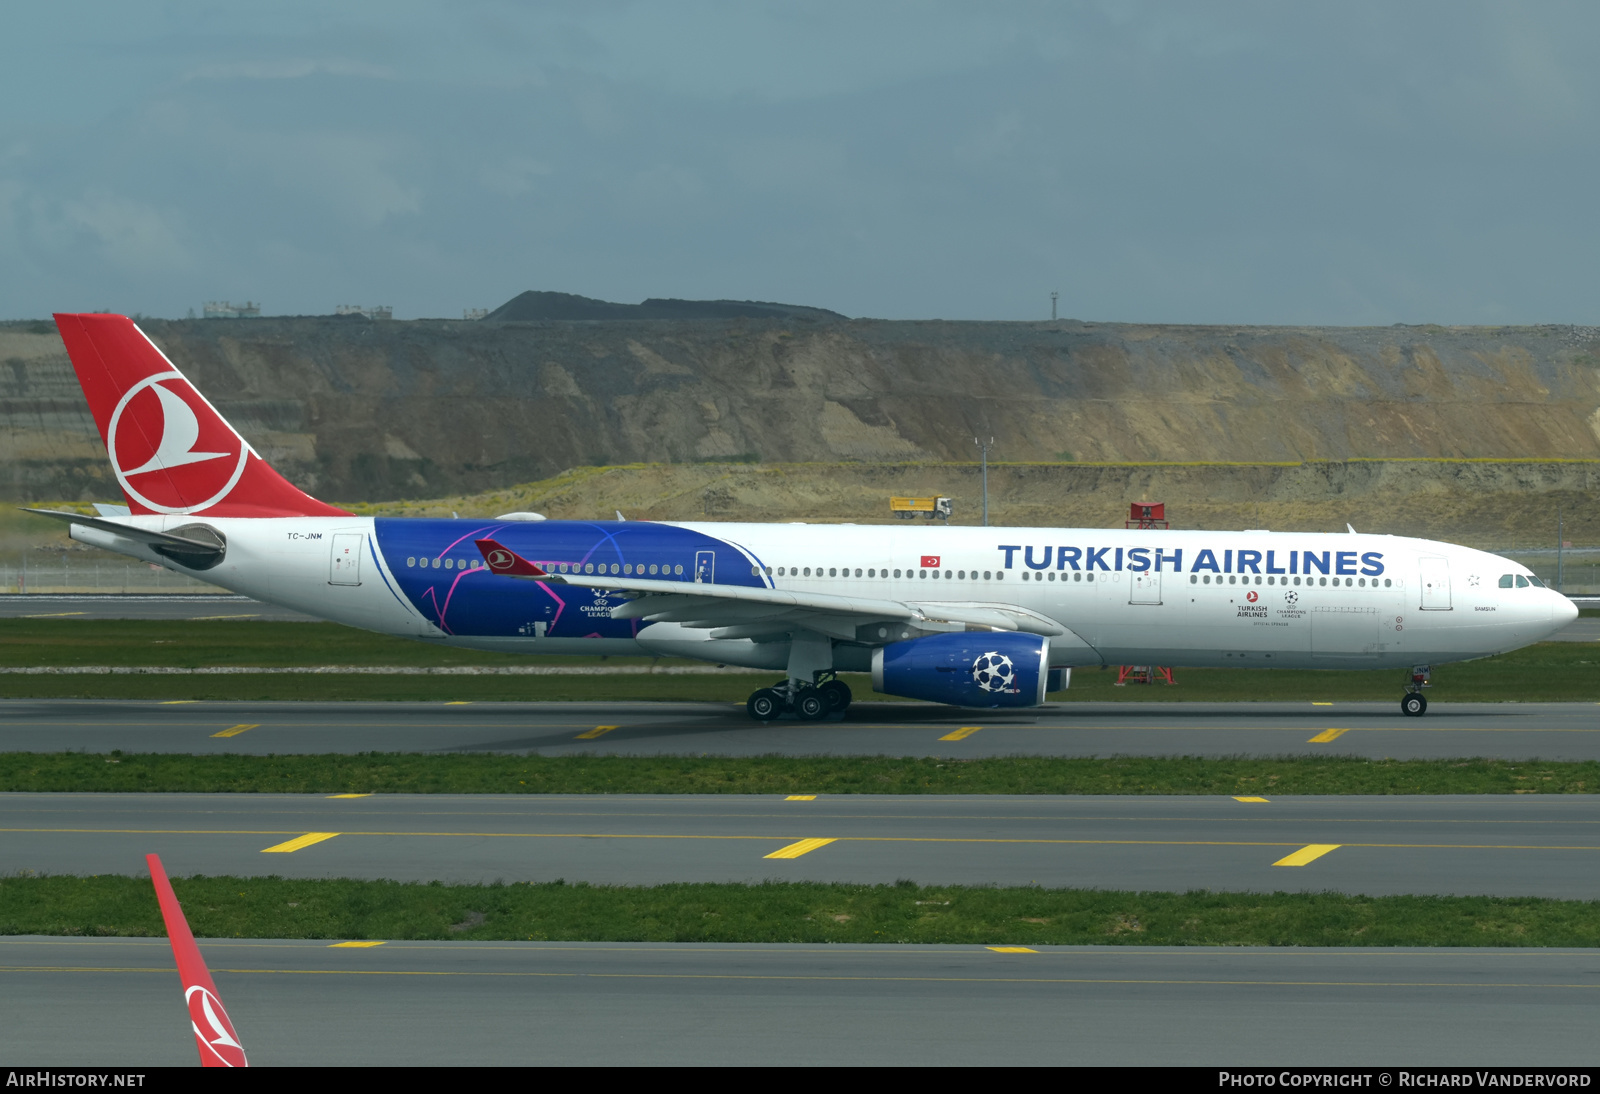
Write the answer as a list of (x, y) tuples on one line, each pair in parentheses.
[(1493, 844), (196, 606), (117, 1002), (1550, 731)]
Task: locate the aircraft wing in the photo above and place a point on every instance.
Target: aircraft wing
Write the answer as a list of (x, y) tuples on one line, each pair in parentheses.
[(740, 611)]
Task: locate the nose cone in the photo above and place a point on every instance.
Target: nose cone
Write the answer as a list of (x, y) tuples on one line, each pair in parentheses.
[(1563, 611)]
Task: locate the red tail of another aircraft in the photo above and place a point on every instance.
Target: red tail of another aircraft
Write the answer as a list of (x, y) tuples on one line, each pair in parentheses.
[(213, 1031), (170, 449)]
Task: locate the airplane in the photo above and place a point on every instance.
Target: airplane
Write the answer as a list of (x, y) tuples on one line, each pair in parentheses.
[(968, 616), (213, 1030)]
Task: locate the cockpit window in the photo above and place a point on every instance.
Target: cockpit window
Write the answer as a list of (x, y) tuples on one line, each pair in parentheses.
[(1535, 581), (1522, 582), (1506, 581)]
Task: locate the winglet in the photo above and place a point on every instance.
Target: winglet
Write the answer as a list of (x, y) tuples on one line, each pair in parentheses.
[(503, 560), (213, 1032)]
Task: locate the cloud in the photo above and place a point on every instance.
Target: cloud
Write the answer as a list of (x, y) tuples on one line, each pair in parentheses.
[(513, 176), (130, 234), (289, 68)]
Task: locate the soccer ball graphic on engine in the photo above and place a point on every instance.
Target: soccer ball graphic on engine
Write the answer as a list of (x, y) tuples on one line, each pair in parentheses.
[(994, 672)]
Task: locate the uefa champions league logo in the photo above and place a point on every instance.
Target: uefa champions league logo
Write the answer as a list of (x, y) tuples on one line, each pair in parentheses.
[(994, 671)]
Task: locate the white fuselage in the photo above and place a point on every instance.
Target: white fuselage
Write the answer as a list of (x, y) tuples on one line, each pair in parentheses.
[(1181, 598)]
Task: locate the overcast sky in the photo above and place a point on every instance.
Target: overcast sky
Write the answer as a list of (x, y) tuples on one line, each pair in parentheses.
[(1341, 163)]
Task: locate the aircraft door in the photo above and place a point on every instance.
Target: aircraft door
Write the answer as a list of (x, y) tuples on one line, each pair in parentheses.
[(705, 567), (344, 566), (1144, 586), (1435, 584)]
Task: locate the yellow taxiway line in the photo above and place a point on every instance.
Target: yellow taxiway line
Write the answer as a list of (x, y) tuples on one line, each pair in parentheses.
[(795, 850), (960, 734), (1309, 853), (1327, 735), (295, 844), (236, 730), (597, 731)]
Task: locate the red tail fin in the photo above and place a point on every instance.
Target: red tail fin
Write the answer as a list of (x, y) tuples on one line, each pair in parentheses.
[(218, 1043), (170, 449), (503, 560)]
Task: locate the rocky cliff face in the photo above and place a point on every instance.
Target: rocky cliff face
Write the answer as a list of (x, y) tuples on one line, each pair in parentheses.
[(352, 409)]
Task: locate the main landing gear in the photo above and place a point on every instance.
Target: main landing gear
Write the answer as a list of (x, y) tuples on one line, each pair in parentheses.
[(1415, 704), (808, 702)]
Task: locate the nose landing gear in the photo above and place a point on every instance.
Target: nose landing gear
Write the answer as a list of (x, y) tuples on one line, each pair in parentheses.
[(808, 702), (1414, 704)]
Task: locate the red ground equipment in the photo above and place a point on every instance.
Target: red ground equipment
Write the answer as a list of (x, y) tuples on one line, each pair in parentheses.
[(1145, 514)]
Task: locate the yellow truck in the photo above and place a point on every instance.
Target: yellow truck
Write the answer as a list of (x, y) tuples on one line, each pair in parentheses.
[(908, 508)]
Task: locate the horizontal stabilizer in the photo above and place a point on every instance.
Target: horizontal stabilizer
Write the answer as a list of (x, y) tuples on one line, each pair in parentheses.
[(192, 552)]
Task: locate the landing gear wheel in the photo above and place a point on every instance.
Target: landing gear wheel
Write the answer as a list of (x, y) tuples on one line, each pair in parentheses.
[(1414, 705), (765, 705), (811, 706), (836, 693)]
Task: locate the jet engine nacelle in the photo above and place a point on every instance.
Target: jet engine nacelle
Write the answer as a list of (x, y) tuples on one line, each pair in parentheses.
[(966, 668)]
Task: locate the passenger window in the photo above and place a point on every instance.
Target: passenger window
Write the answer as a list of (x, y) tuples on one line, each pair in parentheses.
[(1522, 582), (1506, 581), (986, 575), (678, 569), (922, 573)]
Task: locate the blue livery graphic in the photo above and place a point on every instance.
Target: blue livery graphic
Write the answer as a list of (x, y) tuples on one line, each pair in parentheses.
[(440, 571)]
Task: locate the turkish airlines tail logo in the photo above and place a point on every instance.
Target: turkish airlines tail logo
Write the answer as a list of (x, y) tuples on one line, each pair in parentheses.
[(170, 449), (160, 420), (180, 429)]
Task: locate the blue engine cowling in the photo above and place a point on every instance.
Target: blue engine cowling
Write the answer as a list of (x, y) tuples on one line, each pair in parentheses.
[(967, 669)]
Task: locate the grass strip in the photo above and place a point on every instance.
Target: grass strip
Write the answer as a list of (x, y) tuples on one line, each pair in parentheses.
[(273, 907), (495, 773), (1548, 672)]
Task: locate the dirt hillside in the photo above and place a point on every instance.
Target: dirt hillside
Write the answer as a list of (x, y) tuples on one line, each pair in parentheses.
[(353, 409)]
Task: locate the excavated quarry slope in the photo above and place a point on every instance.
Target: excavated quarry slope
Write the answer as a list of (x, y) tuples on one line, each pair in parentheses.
[(1471, 434), (357, 410)]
